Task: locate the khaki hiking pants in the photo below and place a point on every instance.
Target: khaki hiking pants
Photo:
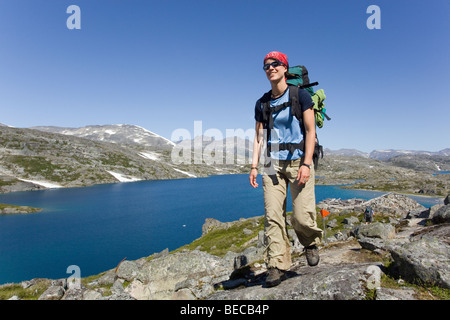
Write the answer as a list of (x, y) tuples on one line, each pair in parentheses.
[(303, 216)]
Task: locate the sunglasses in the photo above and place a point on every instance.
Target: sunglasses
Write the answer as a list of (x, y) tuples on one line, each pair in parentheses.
[(274, 64)]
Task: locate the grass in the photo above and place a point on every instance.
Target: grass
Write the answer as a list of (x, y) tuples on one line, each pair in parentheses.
[(422, 292), (31, 293), (219, 241)]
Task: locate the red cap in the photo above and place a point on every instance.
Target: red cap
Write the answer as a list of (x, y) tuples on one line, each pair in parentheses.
[(278, 56)]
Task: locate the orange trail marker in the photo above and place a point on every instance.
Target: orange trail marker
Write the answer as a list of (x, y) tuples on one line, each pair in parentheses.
[(324, 213)]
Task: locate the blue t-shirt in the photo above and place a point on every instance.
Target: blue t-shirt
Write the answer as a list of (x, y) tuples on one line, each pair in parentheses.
[(286, 127)]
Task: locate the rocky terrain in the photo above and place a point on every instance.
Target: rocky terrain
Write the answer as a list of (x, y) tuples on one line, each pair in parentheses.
[(407, 174), (34, 159), (402, 255)]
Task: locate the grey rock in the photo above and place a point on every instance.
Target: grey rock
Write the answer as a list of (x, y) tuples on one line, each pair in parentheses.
[(332, 223), (376, 230), (395, 294), (106, 279), (118, 296), (425, 259), (165, 273), (127, 270), (163, 253), (74, 293), (351, 220), (52, 293), (418, 213), (318, 283), (442, 215), (92, 295), (248, 256), (372, 244)]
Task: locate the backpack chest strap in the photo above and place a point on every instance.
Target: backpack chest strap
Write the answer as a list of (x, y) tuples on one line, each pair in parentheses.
[(268, 112)]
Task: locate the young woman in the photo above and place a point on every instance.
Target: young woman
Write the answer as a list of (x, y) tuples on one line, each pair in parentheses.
[(288, 167)]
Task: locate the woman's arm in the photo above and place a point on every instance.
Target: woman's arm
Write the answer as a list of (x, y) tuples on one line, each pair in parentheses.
[(257, 143), (309, 123)]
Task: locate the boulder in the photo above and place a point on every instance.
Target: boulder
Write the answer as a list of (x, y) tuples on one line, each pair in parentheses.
[(127, 270), (344, 282), (375, 230), (162, 275), (442, 215), (351, 220), (393, 204), (418, 213), (54, 292), (332, 223), (425, 258)]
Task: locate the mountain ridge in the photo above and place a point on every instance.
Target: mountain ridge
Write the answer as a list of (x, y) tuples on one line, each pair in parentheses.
[(42, 157), (105, 133), (385, 154)]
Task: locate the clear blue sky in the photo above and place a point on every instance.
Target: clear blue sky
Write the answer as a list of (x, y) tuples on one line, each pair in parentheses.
[(164, 64)]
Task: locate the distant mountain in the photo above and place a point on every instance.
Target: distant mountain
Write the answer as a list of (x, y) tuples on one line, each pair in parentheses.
[(236, 148), (49, 159), (346, 153), (384, 155), (387, 154), (120, 134), (54, 157)]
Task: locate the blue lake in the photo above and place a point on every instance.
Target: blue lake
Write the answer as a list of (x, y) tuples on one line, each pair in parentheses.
[(96, 227)]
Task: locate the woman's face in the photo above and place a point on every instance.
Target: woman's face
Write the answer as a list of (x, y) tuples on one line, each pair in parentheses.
[(275, 73)]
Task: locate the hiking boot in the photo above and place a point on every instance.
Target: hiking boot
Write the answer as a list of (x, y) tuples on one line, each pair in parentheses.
[(274, 277), (312, 255)]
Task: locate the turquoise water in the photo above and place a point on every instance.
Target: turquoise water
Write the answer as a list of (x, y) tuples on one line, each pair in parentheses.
[(96, 227)]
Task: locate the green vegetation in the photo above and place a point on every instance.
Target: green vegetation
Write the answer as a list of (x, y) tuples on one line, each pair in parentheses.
[(31, 293), (219, 241)]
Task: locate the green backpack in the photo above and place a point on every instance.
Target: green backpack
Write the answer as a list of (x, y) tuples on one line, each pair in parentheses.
[(299, 77)]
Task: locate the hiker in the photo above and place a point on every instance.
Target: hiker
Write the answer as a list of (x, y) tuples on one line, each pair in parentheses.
[(288, 167), (368, 215)]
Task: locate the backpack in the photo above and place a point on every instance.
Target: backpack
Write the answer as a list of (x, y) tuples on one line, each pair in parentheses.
[(298, 79)]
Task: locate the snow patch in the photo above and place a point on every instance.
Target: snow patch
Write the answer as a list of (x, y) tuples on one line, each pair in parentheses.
[(149, 155), (42, 183), (123, 178), (186, 173)]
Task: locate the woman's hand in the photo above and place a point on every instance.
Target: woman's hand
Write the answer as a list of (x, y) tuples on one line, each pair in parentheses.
[(303, 175), (252, 177)]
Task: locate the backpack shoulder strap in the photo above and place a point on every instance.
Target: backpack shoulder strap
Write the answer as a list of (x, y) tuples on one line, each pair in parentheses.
[(267, 110), (296, 108), (295, 102)]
